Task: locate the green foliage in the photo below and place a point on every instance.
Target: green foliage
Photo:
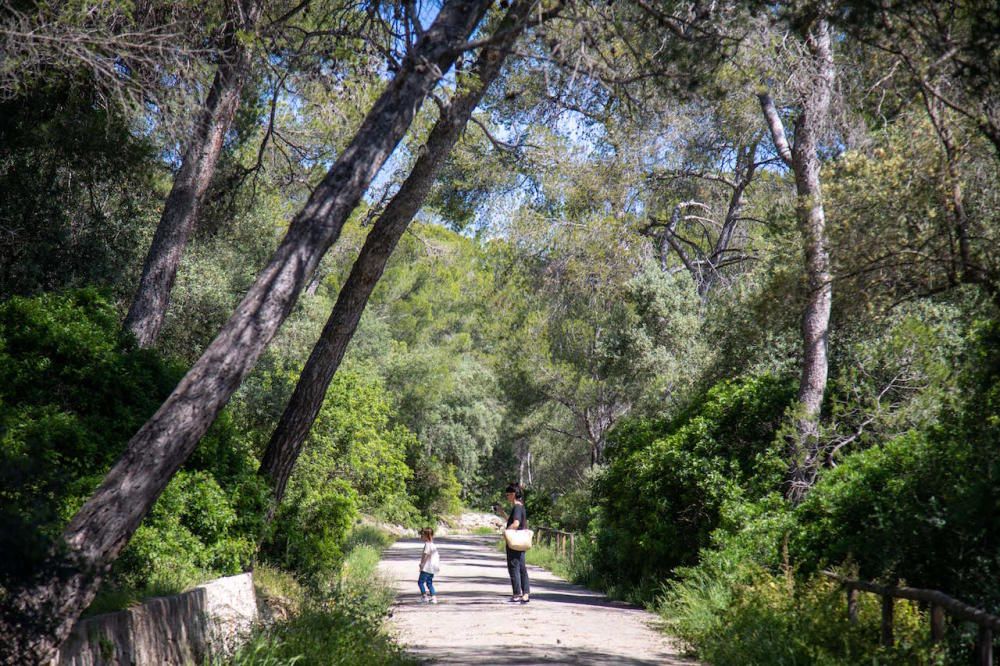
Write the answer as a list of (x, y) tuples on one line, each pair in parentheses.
[(773, 619), (71, 395), (77, 191), (433, 301), (279, 587), (921, 505), (311, 527), (353, 460), (435, 488), (663, 492), (191, 532), (352, 439), (341, 623), (367, 535), (573, 510), (916, 509), (894, 200)]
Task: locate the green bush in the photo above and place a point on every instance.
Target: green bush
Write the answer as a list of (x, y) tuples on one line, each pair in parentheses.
[(310, 529), (435, 489), (71, 395), (922, 506), (917, 509), (663, 491), (573, 510), (763, 619), (342, 622), (353, 439), (324, 634), (367, 535)]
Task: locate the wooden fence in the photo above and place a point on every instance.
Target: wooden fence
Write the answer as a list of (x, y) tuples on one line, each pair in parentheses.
[(561, 539), (939, 603)]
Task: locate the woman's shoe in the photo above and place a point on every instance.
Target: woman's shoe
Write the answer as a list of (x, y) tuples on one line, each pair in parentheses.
[(525, 599), (514, 600)]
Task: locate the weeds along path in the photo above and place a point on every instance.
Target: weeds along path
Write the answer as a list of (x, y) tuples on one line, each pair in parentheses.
[(474, 624)]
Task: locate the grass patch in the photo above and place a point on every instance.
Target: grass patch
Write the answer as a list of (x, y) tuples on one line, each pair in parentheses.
[(279, 589), (341, 622), (549, 558), (770, 619), (329, 632), (368, 535), (484, 530), (114, 598)]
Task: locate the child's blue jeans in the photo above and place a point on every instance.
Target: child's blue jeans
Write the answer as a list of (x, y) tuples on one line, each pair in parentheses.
[(427, 578)]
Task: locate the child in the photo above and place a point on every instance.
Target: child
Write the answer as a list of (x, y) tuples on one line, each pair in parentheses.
[(430, 563)]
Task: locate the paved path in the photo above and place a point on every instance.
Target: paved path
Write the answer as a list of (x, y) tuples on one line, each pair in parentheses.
[(473, 624)]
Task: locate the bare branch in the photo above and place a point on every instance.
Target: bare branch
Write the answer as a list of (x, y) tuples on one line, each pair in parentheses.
[(776, 127)]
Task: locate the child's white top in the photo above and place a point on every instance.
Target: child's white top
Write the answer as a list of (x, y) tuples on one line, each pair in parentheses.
[(432, 560)]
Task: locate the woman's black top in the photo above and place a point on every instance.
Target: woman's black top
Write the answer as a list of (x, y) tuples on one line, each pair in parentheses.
[(519, 514)]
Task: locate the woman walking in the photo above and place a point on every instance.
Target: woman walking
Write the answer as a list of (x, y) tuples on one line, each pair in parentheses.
[(516, 565)]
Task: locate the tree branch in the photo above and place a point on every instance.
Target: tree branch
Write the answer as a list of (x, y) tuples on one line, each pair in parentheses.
[(776, 127)]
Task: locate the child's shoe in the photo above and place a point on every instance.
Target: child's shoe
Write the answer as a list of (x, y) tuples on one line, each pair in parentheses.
[(434, 600)]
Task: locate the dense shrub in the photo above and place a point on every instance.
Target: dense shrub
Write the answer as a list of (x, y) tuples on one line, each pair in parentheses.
[(311, 526), (775, 619), (918, 509), (71, 396), (353, 439), (78, 190), (923, 506), (435, 488), (662, 493), (340, 622)]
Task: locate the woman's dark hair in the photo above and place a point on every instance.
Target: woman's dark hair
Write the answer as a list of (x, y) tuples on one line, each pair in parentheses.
[(516, 489)]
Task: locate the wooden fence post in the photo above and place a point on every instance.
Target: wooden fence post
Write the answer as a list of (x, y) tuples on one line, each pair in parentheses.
[(937, 623), (852, 605), (572, 546), (984, 646), (887, 639)]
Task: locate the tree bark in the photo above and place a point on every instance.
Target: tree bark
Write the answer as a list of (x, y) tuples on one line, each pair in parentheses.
[(803, 158), (180, 212), (965, 272), (36, 617), (289, 436)]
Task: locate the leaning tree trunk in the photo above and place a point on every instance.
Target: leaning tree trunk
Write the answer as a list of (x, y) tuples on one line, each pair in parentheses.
[(36, 617), (803, 157), (287, 440), (180, 212)]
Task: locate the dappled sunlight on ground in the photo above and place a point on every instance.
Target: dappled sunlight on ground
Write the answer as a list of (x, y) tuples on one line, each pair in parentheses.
[(474, 624)]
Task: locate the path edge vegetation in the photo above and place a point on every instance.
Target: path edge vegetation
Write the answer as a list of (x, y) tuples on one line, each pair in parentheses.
[(718, 282)]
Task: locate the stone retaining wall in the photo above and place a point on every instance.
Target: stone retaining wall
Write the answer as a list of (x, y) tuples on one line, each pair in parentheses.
[(187, 628)]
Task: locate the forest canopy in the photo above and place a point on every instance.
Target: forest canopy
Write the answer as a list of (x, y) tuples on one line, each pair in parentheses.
[(716, 282)]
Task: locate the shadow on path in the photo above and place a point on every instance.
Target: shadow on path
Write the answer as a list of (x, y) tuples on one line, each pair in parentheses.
[(474, 624)]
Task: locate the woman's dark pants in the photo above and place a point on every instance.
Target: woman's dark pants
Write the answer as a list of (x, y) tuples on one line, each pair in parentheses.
[(517, 567)]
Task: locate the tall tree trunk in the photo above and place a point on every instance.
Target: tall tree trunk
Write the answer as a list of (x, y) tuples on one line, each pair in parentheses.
[(965, 271), (803, 157), (180, 212), (290, 434), (35, 618)]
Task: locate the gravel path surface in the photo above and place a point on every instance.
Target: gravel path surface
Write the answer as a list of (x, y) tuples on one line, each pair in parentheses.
[(474, 624)]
